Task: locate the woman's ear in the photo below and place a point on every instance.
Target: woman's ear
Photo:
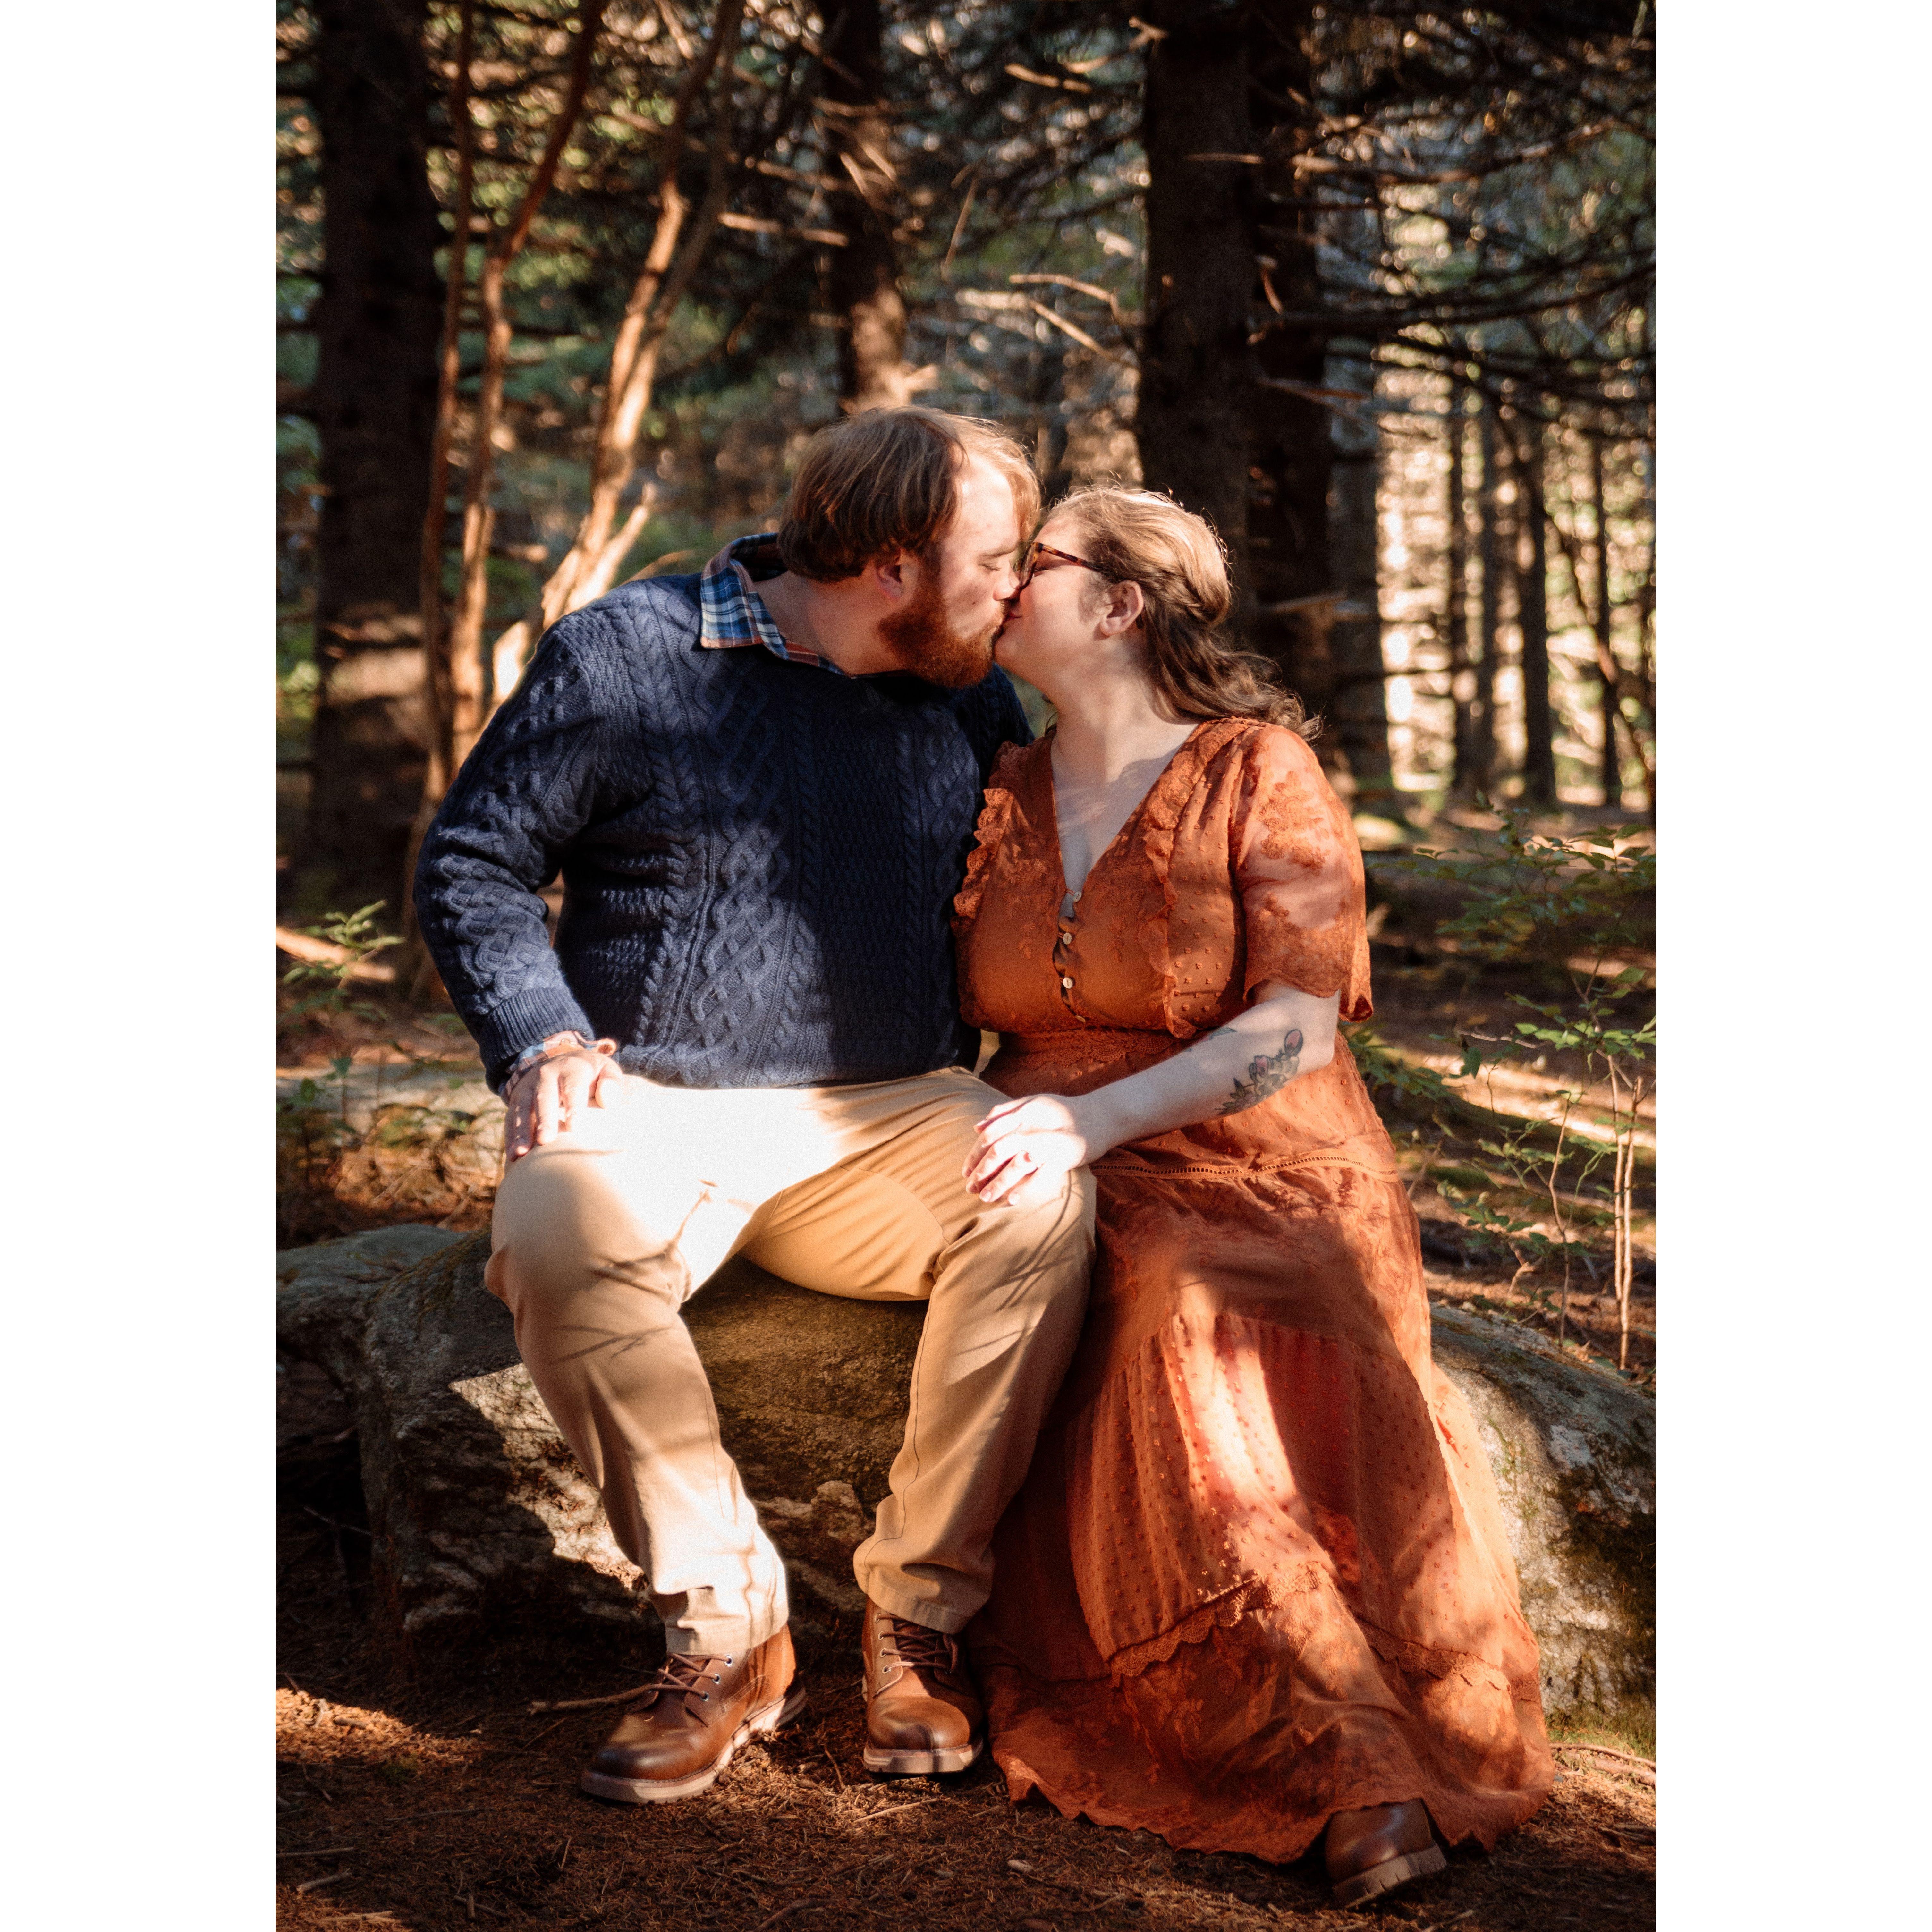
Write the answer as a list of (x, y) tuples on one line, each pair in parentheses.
[(1125, 605)]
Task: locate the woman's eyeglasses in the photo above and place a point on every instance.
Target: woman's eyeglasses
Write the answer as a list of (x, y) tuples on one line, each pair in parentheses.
[(1043, 556)]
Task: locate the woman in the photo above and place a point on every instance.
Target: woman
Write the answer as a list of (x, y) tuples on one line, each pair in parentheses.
[(1256, 1590)]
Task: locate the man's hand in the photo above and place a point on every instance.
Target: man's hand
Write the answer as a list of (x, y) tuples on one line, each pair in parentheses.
[(544, 1097), (1025, 1150)]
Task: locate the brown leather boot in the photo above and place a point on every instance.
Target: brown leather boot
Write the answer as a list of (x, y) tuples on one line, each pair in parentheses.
[(1372, 1852), (694, 1713), (923, 1712)]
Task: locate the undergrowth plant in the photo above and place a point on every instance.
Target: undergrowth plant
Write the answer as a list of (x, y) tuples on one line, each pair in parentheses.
[(1579, 907), (316, 1134)]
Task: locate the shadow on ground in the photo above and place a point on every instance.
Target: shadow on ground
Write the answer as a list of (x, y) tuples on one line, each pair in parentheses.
[(426, 1795)]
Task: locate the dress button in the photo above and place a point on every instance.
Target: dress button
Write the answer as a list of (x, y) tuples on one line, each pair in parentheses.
[(1066, 982)]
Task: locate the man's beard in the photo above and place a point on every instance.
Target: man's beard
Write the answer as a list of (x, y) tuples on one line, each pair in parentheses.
[(922, 640)]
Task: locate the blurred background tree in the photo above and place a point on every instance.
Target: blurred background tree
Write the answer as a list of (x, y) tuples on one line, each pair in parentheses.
[(565, 288)]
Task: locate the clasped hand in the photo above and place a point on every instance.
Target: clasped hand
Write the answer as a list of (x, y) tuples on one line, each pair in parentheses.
[(541, 1100), (1023, 1152)]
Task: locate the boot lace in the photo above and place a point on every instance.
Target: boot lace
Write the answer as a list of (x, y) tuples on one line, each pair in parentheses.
[(920, 1648), (679, 1676)]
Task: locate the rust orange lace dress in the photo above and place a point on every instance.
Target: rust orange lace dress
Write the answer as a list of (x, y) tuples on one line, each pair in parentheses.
[(1257, 1573)]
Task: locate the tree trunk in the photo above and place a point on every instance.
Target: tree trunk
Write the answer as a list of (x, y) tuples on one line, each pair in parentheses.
[(862, 280), (377, 321), (1361, 702), (597, 552), (1456, 604), (1611, 770), (465, 675), (1197, 395), (1291, 437), (1487, 640), (1532, 598)]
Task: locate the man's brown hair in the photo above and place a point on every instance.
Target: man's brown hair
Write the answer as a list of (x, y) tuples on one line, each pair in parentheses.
[(887, 480)]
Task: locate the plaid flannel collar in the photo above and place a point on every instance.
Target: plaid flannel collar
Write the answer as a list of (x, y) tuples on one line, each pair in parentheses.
[(730, 611)]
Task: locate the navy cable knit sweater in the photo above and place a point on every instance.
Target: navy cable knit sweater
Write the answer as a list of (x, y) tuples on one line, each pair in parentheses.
[(758, 857)]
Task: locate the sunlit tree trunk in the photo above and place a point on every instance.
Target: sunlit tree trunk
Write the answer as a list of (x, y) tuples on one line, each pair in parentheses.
[(1532, 597), (862, 277), (465, 675), (1611, 767), (678, 239), (1487, 640), (1456, 603), (374, 401), (455, 681)]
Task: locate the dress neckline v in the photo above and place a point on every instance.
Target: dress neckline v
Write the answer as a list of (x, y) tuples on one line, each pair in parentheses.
[(1126, 824)]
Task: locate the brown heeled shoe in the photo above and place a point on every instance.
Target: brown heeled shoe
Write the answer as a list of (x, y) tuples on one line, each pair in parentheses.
[(1372, 1852)]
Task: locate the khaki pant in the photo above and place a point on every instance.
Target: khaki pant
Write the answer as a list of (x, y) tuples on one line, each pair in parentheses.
[(600, 1237)]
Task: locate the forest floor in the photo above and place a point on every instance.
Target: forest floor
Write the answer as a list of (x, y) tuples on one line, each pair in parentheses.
[(419, 1800), (425, 1800)]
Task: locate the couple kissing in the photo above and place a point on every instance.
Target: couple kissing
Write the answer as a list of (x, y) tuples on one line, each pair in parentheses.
[(1185, 1528)]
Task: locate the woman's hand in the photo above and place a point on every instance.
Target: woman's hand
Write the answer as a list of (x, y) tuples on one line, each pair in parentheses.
[(1024, 1151), (541, 1100)]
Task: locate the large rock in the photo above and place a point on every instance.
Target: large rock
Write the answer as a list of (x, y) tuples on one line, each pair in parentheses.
[(480, 1515), (1574, 1453), (482, 1519)]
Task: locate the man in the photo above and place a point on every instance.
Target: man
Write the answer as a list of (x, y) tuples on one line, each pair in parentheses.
[(760, 786)]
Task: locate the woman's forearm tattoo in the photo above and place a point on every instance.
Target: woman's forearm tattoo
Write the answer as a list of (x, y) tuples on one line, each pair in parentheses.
[(1267, 1073)]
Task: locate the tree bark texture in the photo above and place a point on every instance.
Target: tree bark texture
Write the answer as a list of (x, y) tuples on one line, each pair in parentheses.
[(1487, 640), (1610, 771), (1359, 705), (862, 277), (1301, 591), (377, 321), (1532, 598), (1197, 393), (456, 285), (1455, 601)]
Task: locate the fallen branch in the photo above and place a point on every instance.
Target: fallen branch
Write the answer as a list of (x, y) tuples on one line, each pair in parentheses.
[(316, 1884), (313, 952), (587, 1703), (911, 1805), (1604, 1751), (811, 1902)]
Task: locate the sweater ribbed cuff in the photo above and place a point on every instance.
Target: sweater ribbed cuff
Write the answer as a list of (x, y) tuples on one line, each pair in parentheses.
[(521, 1021)]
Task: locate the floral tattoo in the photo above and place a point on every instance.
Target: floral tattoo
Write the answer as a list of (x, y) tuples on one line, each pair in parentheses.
[(1267, 1073)]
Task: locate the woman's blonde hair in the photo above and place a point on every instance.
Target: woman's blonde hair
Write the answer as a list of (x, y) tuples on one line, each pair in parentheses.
[(1140, 536)]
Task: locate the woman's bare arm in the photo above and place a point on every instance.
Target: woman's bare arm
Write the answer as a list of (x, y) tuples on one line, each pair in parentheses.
[(1283, 1033)]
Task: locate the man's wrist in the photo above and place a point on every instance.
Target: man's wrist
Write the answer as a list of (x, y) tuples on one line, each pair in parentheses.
[(568, 1041)]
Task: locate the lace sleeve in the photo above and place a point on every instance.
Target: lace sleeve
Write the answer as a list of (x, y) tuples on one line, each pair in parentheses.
[(1298, 869), (996, 814)]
